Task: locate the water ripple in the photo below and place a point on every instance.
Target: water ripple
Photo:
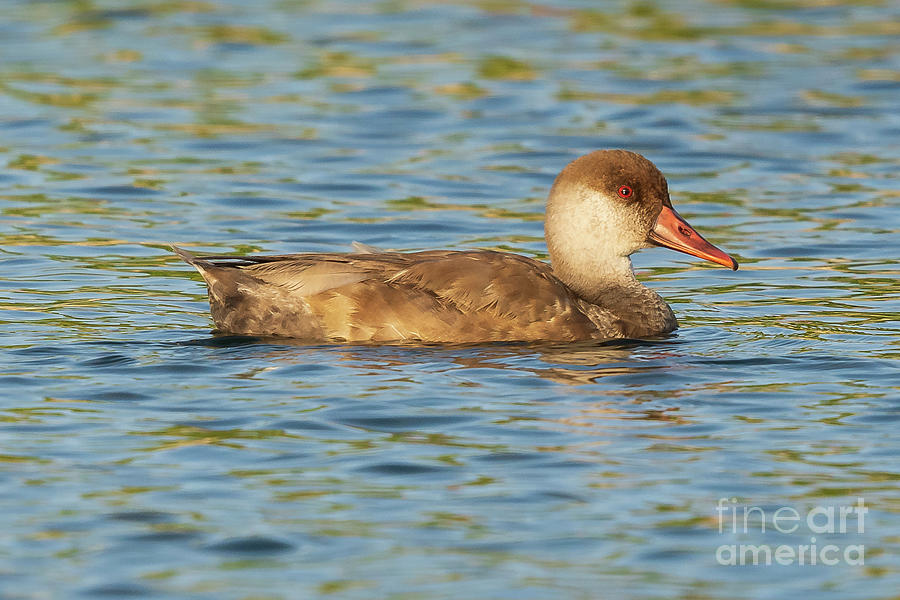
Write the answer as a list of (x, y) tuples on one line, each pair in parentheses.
[(145, 456)]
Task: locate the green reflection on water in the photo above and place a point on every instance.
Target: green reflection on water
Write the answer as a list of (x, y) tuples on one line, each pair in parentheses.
[(503, 67), (691, 97), (88, 269), (189, 435), (339, 64)]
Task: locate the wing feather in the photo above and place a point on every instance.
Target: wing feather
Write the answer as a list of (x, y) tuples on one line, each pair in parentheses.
[(505, 285), (308, 279)]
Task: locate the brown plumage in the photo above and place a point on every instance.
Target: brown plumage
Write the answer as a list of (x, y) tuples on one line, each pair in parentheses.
[(435, 296), (472, 296)]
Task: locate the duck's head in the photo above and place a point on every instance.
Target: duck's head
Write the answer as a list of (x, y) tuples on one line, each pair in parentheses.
[(605, 206)]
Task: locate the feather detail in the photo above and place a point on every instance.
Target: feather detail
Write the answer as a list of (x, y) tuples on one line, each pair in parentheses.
[(361, 248)]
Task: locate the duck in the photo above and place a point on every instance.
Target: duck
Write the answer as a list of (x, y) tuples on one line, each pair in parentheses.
[(602, 207)]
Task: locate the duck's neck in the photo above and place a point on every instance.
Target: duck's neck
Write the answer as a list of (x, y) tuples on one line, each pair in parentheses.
[(592, 277), (610, 284)]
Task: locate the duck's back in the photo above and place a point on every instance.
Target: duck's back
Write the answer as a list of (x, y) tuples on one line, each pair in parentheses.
[(435, 296)]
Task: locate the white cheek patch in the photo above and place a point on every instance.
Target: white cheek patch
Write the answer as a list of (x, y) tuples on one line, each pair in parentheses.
[(593, 229), (615, 226)]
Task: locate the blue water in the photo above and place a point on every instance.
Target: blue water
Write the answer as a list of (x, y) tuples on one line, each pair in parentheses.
[(142, 456)]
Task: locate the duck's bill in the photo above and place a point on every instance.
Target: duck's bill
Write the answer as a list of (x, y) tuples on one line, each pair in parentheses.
[(674, 232)]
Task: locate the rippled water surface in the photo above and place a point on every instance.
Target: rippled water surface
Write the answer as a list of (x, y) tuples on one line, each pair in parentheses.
[(142, 456)]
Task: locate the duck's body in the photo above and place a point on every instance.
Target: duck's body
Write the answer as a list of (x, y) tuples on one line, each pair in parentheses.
[(436, 296), (476, 296)]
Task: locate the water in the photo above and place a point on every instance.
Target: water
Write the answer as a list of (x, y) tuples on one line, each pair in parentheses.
[(142, 456)]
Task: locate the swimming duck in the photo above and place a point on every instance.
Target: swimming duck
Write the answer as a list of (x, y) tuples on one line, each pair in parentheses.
[(602, 208)]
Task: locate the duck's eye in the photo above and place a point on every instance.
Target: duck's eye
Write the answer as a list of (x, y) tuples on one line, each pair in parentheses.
[(625, 191)]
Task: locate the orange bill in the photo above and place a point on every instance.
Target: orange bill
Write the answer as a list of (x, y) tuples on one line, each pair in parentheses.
[(674, 232)]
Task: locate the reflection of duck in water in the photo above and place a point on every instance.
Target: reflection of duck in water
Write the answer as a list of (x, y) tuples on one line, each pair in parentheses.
[(602, 208)]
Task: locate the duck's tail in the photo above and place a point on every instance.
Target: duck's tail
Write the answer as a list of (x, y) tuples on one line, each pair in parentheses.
[(185, 255), (210, 272), (221, 282), (201, 264), (241, 304)]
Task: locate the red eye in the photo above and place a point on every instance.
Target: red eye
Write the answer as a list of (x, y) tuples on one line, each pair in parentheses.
[(625, 191)]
